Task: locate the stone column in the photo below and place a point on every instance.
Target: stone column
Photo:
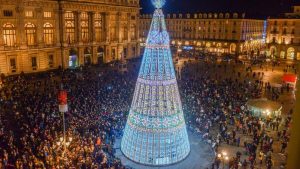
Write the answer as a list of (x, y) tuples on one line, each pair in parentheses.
[(136, 27), (92, 26), (94, 54), (118, 27), (20, 32), (40, 27), (106, 26), (128, 27), (77, 17), (107, 56), (57, 28), (1, 37)]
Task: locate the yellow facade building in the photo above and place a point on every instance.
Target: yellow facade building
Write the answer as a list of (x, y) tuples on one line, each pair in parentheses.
[(212, 32), (38, 35), (283, 36)]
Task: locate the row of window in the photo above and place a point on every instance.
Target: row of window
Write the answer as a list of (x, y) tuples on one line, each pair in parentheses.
[(9, 34), (28, 14), (33, 59), (283, 40)]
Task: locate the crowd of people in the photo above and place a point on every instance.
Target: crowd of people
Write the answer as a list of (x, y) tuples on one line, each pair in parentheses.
[(215, 106), (31, 126), (31, 129)]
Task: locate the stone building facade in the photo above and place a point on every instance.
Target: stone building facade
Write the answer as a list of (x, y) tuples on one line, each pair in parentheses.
[(39, 35), (283, 36), (212, 32)]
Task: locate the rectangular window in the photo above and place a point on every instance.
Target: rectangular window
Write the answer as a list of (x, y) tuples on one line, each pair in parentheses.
[(50, 60), (29, 14), (7, 13), (33, 62), (47, 14), (13, 64)]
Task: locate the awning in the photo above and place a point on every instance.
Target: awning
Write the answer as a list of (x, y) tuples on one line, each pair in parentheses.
[(289, 78)]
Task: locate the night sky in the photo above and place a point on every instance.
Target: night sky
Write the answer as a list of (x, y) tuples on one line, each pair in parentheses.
[(253, 8)]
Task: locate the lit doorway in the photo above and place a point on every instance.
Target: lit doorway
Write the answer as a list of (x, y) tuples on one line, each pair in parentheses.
[(73, 58)]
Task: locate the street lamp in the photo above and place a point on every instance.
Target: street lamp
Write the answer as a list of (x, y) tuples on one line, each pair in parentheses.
[(223, 157), (65, 142)]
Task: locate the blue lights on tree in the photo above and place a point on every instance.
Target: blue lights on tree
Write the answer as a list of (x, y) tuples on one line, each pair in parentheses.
[(155, 133)]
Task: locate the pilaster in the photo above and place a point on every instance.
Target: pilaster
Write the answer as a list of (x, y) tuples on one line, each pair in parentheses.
[(118, 27), (40, 18), (106, 26), (21, 38), (77, 16), (92, 27)]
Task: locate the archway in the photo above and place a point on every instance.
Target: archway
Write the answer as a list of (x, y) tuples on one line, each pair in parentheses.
[(273, 51), (87, 56), (73, 58), (100, 55), (232, 48), (290, 53)]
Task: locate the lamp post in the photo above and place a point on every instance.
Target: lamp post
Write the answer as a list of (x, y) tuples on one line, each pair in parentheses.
[(223, 157), (65, 142), (63, 108)]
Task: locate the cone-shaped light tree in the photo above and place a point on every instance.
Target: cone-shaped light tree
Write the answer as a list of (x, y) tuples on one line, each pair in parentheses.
[(155, 133)]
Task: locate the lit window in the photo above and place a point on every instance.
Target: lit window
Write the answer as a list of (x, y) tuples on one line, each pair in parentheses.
[(70, 32), (29, 14), (47, 14), (98, 27), (84, 31), (84, 15), (69, 15), (48, 34), (30, 32), (9, 34), (98, 31), (132, 30)]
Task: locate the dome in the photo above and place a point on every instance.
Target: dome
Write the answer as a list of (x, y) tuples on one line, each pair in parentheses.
[(158, 3)]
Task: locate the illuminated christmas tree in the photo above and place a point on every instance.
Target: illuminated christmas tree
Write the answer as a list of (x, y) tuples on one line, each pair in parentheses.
[(155, 133)]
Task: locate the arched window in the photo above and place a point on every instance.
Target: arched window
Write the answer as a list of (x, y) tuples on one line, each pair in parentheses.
[(9, 34), (30, 32), (132, 30), (48, 34), (70, 32), (98, 27), (98, 31), (84, 31)]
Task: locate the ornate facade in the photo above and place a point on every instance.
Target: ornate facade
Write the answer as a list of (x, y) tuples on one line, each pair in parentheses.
[(283, 36), (212, 32), (38, 35)]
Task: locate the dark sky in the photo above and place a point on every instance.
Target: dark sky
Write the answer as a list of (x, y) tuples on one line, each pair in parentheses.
[(253, 8)]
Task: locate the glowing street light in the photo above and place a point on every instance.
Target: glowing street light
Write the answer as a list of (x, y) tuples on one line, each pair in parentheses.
[(223, 157)]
